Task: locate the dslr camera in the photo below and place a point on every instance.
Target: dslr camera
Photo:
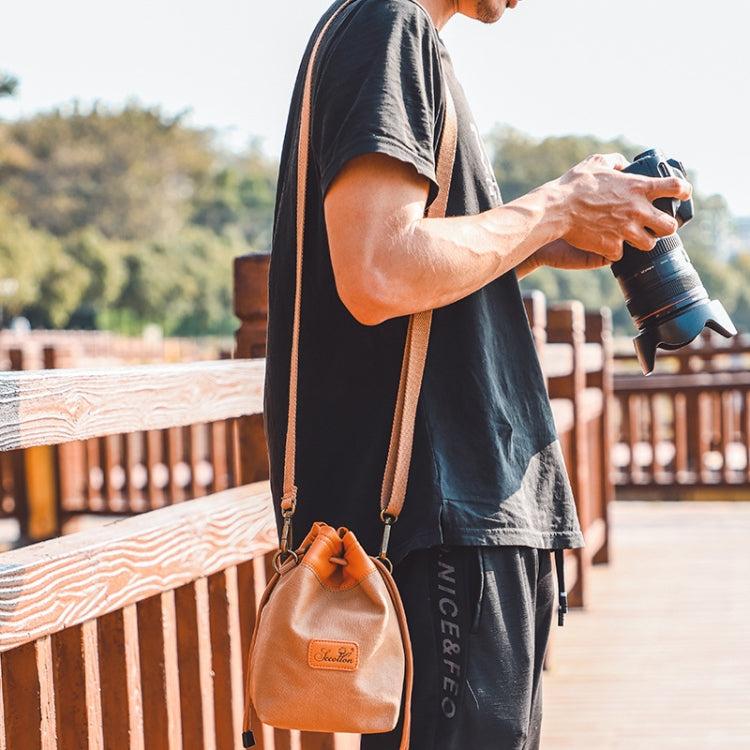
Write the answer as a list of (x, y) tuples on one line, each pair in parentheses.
[(663, 293)]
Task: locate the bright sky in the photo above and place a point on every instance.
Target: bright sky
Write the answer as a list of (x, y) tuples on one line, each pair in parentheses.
[(668, 73)]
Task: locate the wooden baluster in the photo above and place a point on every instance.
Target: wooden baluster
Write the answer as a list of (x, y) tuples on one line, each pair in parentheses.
[(172, 455), (226, 648), (654, 429), (194, 659), (252, 578), (624, 436), (221, 455), (121, 694), (3, 733), (694, 442), (681, 444), (161, 690), (76, 675), (705, 434), (36, 474), (536, 311), (28, 718)]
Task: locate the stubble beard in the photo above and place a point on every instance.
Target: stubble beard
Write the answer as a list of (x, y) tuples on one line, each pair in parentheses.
[(489, 11)]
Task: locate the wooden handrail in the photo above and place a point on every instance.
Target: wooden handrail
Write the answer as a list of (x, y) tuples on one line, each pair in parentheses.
[(69, 580), (47, 407)]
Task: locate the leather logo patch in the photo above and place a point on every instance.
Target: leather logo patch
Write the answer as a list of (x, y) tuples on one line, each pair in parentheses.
[(339, 655)]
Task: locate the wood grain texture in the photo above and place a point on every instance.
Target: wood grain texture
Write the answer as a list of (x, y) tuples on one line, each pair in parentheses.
[(133, 673), (66, 581), (171, 670), (47, 407), (48, 717), (92, 675), (660, 659), (69, 685)]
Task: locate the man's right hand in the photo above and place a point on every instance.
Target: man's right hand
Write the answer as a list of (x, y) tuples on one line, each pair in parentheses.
[(606, 207)]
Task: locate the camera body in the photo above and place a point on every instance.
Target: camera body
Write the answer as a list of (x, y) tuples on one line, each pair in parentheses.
[(662, 290)]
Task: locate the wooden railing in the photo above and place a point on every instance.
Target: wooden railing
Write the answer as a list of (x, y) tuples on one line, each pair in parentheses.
[(682, 436), (97, 629), (100, 349), (684, 431), (47, 489), (133, 634), (123, 470)]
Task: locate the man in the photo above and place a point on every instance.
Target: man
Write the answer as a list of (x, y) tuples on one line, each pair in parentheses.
[(488, 496)]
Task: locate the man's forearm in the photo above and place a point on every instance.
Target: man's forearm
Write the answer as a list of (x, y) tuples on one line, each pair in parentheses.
[(389, 260)]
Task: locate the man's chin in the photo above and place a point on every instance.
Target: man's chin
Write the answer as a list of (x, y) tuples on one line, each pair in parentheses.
[(491, 11)]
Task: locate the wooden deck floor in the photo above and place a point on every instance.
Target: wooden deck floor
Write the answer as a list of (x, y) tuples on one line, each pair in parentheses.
[(661, 657)]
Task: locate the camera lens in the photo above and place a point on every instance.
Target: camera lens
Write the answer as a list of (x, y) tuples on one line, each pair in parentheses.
[(662, 290), (659, 283)]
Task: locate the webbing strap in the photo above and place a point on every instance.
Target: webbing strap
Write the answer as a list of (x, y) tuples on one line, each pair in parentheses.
[(415, 350)]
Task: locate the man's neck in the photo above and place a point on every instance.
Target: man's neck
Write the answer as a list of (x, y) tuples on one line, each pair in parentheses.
[(440, 11)]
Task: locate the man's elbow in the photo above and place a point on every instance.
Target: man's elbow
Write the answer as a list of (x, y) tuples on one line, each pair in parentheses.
[(367, 300)]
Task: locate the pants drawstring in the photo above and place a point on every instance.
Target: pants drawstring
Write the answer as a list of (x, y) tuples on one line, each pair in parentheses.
[(562, 608)]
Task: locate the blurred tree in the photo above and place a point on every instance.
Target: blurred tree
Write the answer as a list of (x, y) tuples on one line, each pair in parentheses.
[(40, 281), (522, 163), (129, 175), (183, 283), (142, 212), (240, 197), (8, 84)]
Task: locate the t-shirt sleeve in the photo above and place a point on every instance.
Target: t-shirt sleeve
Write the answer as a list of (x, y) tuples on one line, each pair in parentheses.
[(378, 89)]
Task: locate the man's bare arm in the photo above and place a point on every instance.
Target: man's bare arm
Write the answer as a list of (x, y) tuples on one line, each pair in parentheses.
[(389, 260)]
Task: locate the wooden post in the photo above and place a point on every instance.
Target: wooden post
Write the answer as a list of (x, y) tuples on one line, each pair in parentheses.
[(251, 307), (17, 470), (566, 323), (599, 330), (39, 480), (251, 303), (536, 311)]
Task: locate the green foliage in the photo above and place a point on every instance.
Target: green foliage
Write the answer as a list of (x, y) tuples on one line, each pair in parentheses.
[(241, 196), (129, 175), (122, 219), (181, 283)]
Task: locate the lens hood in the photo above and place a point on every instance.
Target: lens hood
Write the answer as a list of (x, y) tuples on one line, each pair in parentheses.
[(680, 330)]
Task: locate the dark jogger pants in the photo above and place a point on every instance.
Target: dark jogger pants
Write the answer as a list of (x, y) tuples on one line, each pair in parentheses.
[(479, 619)]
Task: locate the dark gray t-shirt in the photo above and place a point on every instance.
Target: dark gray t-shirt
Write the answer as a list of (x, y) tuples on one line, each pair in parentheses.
[(487, 468)]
